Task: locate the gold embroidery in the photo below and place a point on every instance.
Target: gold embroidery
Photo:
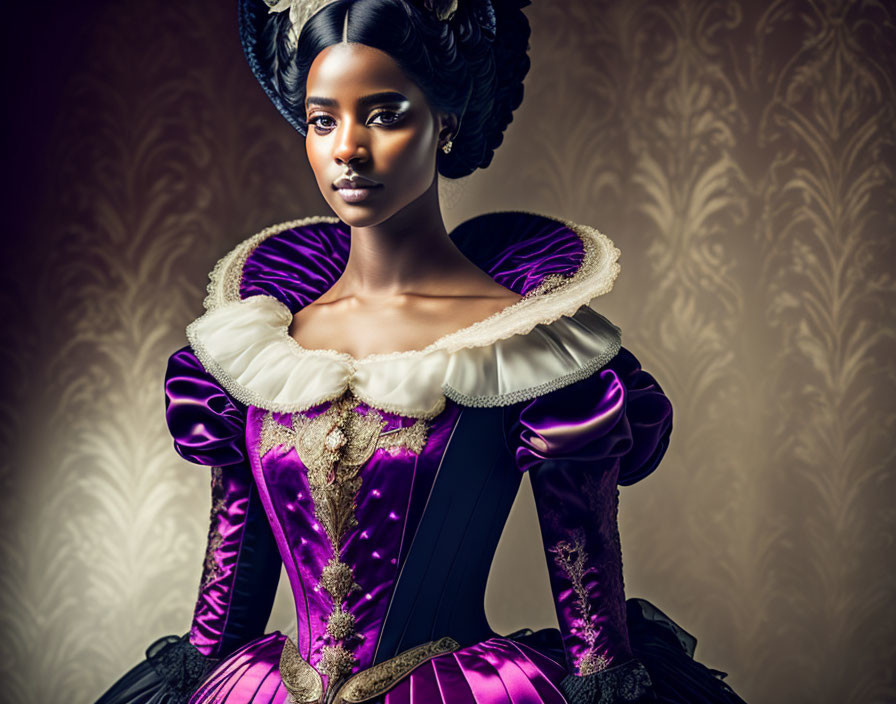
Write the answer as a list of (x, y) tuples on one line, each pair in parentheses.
[(375, 680), (304, 683), (336, 662), (341, 624), (318, 440), (211, 569), (274, 434), (333, 446), (571, 557), (300, 679), (338, 580), (411, 438)]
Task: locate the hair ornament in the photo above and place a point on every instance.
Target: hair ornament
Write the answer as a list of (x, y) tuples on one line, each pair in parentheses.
[(443, 9), (300, 12)]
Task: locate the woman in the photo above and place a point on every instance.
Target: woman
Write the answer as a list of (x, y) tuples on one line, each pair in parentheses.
[(368, 391)]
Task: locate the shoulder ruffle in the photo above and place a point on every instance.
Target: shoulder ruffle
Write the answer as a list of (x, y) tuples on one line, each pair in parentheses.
[(550, 338), (247, 348), (207, 424), (619, 413)]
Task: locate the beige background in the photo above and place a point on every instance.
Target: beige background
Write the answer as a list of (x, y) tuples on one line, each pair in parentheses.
[(739, 153)]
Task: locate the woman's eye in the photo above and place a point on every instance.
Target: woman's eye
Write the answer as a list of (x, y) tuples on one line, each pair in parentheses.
[(386, 117), (322, 123)]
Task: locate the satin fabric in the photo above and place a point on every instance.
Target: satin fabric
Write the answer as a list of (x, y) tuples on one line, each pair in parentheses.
[(618, 414), (577, 445), (588, 428), (538, 343), (498, 669), (612, 426), (387, 508), (518, 250)]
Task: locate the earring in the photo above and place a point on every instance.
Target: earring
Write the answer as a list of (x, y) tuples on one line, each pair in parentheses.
[(446, 147)]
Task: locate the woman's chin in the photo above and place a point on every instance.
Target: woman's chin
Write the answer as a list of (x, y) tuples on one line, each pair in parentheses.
[(360, 214), (356, 219)]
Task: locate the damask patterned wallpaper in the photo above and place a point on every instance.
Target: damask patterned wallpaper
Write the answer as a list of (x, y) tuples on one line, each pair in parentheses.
[(739, 153)]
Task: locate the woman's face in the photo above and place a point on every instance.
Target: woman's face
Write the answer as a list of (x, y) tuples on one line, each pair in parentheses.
[(370, 124)]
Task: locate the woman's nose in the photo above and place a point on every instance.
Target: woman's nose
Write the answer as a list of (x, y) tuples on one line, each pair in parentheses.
[(351, 144)]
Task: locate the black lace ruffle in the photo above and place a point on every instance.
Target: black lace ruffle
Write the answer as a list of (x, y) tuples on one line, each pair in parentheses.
[(628, 682), (172, 671)]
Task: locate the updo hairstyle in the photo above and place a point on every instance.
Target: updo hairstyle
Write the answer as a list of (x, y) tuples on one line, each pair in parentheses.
[(458, 65)]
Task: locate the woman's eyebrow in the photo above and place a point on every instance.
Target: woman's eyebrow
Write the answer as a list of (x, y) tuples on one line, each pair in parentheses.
[(388, 96)]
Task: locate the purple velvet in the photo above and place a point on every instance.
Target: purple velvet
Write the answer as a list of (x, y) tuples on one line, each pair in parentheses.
[(571, 439), (518, 250), (619, 412), (296, 266), (230, 504)]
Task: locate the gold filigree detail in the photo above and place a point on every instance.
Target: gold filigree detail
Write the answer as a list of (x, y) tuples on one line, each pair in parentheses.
[(318, 441), (411, 438), (375, 680), (571, 558), (591, 661), (274, 434), (301, 680), (341, 624), (336, 661), (211, 568), (304, 684), (338, 580)]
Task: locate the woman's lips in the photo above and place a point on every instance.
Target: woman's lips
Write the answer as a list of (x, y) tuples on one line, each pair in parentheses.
[(356, 194)]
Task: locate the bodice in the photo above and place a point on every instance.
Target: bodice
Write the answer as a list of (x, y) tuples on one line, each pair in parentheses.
[(345, 487)]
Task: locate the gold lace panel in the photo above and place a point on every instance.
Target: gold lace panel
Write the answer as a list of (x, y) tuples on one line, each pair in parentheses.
[(571, 558), (211, 569)]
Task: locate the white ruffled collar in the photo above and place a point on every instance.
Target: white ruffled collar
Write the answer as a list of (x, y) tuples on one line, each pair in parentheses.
[(548, 339)]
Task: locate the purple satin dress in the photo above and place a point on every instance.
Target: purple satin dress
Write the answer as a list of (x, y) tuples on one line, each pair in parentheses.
[(390, 549)]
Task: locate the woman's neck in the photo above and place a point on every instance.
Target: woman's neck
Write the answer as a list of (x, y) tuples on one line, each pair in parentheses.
[(408, 253)]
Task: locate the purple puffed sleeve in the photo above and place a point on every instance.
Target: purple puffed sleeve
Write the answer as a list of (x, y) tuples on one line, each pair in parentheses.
[(577, 443), (207, 424), (242, 564)]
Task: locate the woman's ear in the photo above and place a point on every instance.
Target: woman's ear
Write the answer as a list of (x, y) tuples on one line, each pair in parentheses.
[(447, 127)]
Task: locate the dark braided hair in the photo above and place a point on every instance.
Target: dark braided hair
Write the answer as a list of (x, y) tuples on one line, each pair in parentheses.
[(459, 65)]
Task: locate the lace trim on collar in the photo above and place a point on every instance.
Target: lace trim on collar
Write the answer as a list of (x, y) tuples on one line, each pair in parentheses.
[(548, 339), (555, 296)]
